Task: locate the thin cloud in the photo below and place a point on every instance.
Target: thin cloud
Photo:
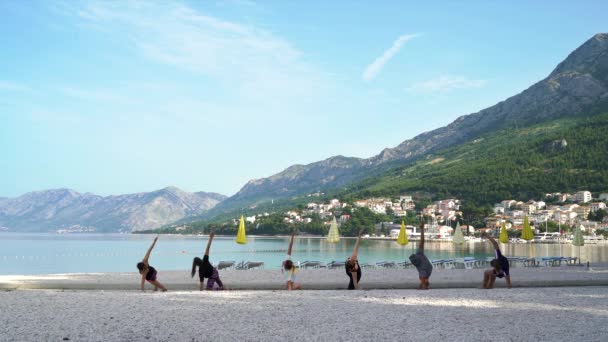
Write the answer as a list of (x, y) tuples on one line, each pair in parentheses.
[(446, 83), (373, 69), (252, 61), (12, 86)]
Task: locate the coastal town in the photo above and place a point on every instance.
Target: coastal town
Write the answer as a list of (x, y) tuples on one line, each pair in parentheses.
[(560, 211)]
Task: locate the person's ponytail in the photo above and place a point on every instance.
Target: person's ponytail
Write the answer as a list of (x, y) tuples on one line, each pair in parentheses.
[(195, 262)]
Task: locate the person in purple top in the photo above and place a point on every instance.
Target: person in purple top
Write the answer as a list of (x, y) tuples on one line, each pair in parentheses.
[(500, 267), (148, 273)]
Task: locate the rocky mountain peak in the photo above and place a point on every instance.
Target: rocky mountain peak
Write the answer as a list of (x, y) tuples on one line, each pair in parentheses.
[(591, 58)]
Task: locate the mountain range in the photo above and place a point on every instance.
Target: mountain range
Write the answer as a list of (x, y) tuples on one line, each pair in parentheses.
[(52, 210), (577, 87)]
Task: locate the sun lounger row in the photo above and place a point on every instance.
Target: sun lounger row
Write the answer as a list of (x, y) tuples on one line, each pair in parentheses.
[(243, 265), (543, 261), (457, 263)]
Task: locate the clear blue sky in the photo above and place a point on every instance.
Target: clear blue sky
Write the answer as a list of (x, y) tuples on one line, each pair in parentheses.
[(116, 97)]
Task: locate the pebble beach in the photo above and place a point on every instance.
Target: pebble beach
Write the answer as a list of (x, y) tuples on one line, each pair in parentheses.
[(543, 305), (524, 314)]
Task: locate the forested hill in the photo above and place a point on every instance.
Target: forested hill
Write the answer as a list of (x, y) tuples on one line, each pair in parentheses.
[(564, 155)]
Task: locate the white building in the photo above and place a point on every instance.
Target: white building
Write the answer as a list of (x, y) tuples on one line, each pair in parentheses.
[(582, 212), (529, 208), (405, 199), (499, 209), (582, 196), (597, 206)]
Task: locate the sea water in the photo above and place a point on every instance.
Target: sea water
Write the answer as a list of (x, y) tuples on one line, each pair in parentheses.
[(91, 253)]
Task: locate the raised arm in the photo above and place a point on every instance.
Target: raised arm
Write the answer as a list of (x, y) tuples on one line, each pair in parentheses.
[(145, 261), (290, 244), (421, 244), (494, 243), (356, 249), (209, 244)]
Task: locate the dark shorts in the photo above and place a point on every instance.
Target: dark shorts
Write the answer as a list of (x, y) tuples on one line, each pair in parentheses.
[(504, 264), (151, 276), (425, 272)]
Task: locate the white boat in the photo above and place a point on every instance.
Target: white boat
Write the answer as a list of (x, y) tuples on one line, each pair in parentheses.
[(546, 237)]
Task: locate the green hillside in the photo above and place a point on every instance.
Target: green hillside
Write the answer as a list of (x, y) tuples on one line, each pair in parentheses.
[(564, 155), (521, 163)]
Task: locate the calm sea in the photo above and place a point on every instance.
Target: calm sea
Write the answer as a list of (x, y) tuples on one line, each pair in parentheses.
[(78, 253)]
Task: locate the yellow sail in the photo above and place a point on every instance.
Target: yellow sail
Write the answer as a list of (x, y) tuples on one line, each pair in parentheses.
[(241, 236), (504, 237), (334, 235), (402, 238)]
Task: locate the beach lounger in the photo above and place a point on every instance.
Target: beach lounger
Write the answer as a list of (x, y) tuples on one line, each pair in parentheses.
[(448, 263), (223, 264), (405, 264), (335, 264), (516, 261), (436, 263), (466, 263), (530, 262), (248, 265), (386, 264), (310, 264)]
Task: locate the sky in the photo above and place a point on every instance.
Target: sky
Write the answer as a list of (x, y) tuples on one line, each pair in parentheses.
[(115, 97)]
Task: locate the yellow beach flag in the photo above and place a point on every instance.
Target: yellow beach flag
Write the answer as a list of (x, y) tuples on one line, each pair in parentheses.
[(402, 238), (241, 236), (333, 235), (504, 237), (526, 232)]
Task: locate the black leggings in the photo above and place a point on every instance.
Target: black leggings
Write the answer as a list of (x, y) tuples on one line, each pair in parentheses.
[(351, 284)]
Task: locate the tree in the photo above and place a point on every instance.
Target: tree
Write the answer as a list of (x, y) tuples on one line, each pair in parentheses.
[(598, 215)]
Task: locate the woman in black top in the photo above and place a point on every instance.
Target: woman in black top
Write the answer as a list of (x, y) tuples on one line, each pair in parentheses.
[(206, 270), (352, 266), (148, 273)]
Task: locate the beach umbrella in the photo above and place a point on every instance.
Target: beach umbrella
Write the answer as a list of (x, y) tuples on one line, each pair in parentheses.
[(334, 235), (241, 236), (578, 240), (402, 238), (504, 237), (458, 237), (526, 232)]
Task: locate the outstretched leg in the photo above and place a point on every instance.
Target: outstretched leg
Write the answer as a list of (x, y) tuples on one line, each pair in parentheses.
[(219, 283), (158, 285), (488, 279)]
